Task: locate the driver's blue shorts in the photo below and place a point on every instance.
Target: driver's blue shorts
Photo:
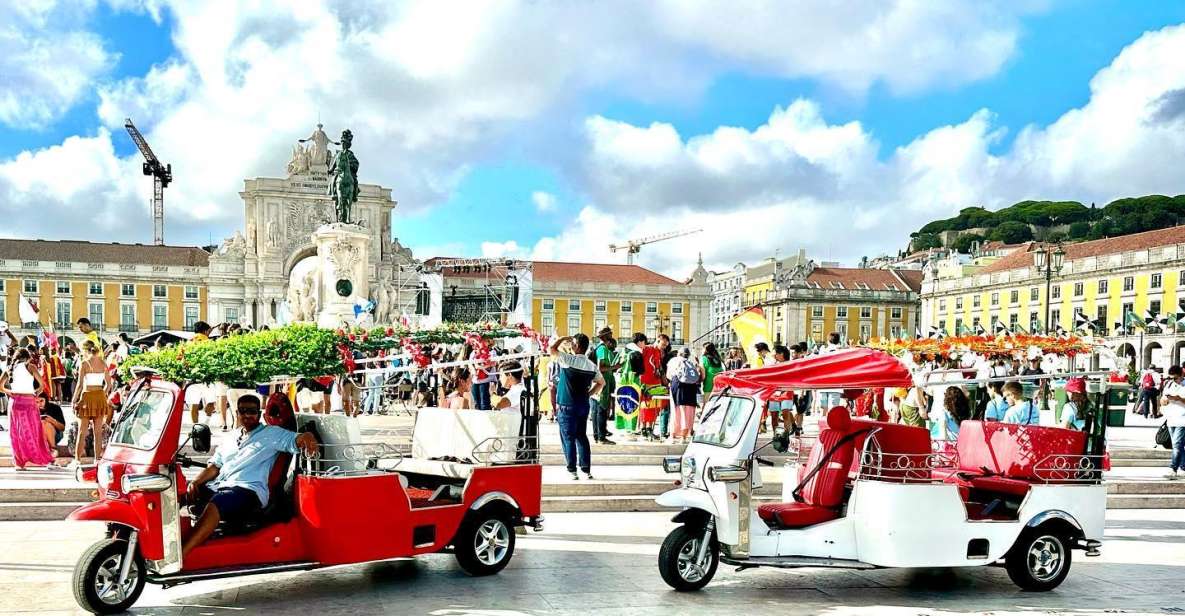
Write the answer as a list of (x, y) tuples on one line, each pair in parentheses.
[(235, 504)]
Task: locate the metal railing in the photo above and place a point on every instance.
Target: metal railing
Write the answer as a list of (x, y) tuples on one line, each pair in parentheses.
[(507, 450), (351, 459), (876, 465), (1069, 468)]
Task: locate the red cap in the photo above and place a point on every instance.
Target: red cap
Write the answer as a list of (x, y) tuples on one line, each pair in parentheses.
[(1076, 386)]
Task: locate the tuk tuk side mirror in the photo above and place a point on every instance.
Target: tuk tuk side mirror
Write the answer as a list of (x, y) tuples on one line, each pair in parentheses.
[(781, 442), (200, 437)]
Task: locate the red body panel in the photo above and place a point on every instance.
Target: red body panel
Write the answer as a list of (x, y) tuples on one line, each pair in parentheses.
[(275, 543)]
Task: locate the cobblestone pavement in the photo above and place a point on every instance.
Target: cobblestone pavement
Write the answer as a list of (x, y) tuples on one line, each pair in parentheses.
[(604, 564)]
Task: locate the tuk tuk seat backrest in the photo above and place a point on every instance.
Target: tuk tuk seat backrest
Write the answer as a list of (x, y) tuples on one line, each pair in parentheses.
[(892, 439), (1013, 451), (826, 487), (278, 476)]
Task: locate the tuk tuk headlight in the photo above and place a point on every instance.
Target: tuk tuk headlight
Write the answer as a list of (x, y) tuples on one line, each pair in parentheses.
[(672, 464), (149, 482)]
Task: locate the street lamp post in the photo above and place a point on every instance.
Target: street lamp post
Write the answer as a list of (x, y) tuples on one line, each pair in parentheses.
[(1051, 259)]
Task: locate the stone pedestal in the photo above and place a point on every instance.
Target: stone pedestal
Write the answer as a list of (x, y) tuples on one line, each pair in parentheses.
[(343, 252)]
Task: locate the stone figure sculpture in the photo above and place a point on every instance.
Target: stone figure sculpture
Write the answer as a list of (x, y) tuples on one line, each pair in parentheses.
[(309, 308), (318, 152), (296, 303), (380, 303), (343, 183)]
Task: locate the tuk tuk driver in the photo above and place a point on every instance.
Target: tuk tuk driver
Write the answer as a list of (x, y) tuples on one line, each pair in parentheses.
[(234, 487)]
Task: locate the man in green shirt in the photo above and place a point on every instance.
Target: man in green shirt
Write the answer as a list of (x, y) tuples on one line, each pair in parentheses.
[(607, 363)]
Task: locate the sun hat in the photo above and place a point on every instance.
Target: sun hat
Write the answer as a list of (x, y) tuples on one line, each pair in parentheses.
[(1076, 386)]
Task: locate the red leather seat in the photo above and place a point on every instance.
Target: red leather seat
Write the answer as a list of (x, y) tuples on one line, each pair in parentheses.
[(823, 493), (1005, 459)]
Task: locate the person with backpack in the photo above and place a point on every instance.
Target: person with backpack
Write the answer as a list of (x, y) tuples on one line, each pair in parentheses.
[(1148, 404), (605, 356), (579, 381), (685, 376)]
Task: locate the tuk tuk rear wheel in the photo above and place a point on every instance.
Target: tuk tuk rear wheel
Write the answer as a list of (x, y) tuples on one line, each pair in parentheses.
[(97, 573), (1039, 560), (677, 559), (485, 541)]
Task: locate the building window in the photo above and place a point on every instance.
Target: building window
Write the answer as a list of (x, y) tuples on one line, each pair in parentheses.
[(573, 325), (841, 312), (599, 305), (191, 292), (1129, 283), (95, 288), (651, 307), (63, 287), (63, 315), (1078, 289), (1157, 280), (191, 317), (1033, 294), (1101, 319), (975, 300), (942, 325), (1, 285), (160, 316), (895, 312), (895, 332), (3, 317), (627, 307), (865, 312), (677, 308), (1103, 286), (627, 328), (1055, 319), (942, 305), (958, 326), (599, 323), (1014, 297), (842, 330), (548, 325), (573, 305), (127, 290), (231, 314), (1056, 292), (995, 299), (1127, 309), (1154, 307), (31, 287), (865, 332), (958, 303), (549, 304), (1033, 323), (1013, 321), (651, 329), (676, 332), (817, 312), (127, 317), (95, 314), (159, 290)]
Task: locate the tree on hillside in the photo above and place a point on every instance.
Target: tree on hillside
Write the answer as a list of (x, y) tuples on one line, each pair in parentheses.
[(963, 242), (1078, 230), (1011, 232), (925, 241)]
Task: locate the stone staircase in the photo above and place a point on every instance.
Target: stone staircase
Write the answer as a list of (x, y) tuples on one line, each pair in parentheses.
[(629, 477)]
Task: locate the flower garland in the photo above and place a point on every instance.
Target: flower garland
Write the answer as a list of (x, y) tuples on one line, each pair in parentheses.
[(306, 350), (989, 346)]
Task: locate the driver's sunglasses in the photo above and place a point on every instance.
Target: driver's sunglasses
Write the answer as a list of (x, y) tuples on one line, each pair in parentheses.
[(248, 411)]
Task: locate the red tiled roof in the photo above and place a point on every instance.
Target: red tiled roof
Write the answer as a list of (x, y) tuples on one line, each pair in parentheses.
[(559, 271), (89, 252), (876, 279), (1095, 248)]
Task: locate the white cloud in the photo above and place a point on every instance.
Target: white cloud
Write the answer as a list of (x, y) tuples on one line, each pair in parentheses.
[(47, 62), (544, 201), (797, 181), (429, 90)]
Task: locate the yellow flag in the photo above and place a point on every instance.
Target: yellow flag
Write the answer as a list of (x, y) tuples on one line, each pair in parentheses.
[(750, 327)]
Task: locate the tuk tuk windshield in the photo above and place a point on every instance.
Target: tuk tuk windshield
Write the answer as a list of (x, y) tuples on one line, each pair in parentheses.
[(724, 421), (143, 419)]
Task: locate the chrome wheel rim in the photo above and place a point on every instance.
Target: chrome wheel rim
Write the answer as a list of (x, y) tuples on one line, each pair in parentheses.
[(1046, 558), (107, 586), (492, 542), (689, 568)]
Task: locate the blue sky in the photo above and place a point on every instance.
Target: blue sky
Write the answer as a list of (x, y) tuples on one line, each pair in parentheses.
[(480, 190)]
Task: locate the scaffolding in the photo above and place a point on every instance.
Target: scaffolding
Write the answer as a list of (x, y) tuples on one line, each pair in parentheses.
[(491, 290)]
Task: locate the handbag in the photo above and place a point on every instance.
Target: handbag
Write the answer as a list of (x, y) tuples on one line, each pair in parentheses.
[(1162, 436)]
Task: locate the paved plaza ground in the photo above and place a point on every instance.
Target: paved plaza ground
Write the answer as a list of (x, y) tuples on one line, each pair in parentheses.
[(604, 564)]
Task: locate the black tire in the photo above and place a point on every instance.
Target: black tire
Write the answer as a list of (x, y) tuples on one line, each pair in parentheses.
[(94, 572), (683, 542), (484, 543), (1039, 560)]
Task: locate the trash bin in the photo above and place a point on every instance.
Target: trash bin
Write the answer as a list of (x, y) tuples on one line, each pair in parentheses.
[(1117, 396)]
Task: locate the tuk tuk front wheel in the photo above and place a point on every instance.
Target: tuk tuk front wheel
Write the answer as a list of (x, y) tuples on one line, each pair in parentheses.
[(485, 542), (96, 578), (679, 560), (1040, 560)]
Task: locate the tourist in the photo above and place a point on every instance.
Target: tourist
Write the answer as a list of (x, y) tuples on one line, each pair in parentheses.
[(483, 378), (762, 355), (1020, 411), (53, 421), (833, 342), (1075, 410), (90, 400), (511, 377), (1149, 393), (734, 361), (712, 364), (1174, 417), (652, 386), (1034, 369), (553, 378), (685, 376), (459, 396), (997, 406), (607, 361), (663, 424), (579, 379), (89, 333), (22, 384), (956, 409), (629, 379), (914, 411)]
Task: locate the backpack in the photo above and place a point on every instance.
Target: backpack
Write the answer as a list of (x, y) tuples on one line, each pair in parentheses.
[(1147, 382), (1163, 438), (687, 372)]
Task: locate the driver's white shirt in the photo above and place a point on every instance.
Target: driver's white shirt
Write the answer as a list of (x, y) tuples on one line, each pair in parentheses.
[(248, 464)]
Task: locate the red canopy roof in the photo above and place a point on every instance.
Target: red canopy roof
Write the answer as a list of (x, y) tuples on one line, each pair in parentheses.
[(848, 369)]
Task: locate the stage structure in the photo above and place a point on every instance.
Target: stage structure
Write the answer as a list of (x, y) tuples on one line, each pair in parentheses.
[(472, 290)]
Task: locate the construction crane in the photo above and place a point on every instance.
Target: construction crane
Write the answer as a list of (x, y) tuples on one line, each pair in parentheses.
[(633, 247), (161, 176)]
